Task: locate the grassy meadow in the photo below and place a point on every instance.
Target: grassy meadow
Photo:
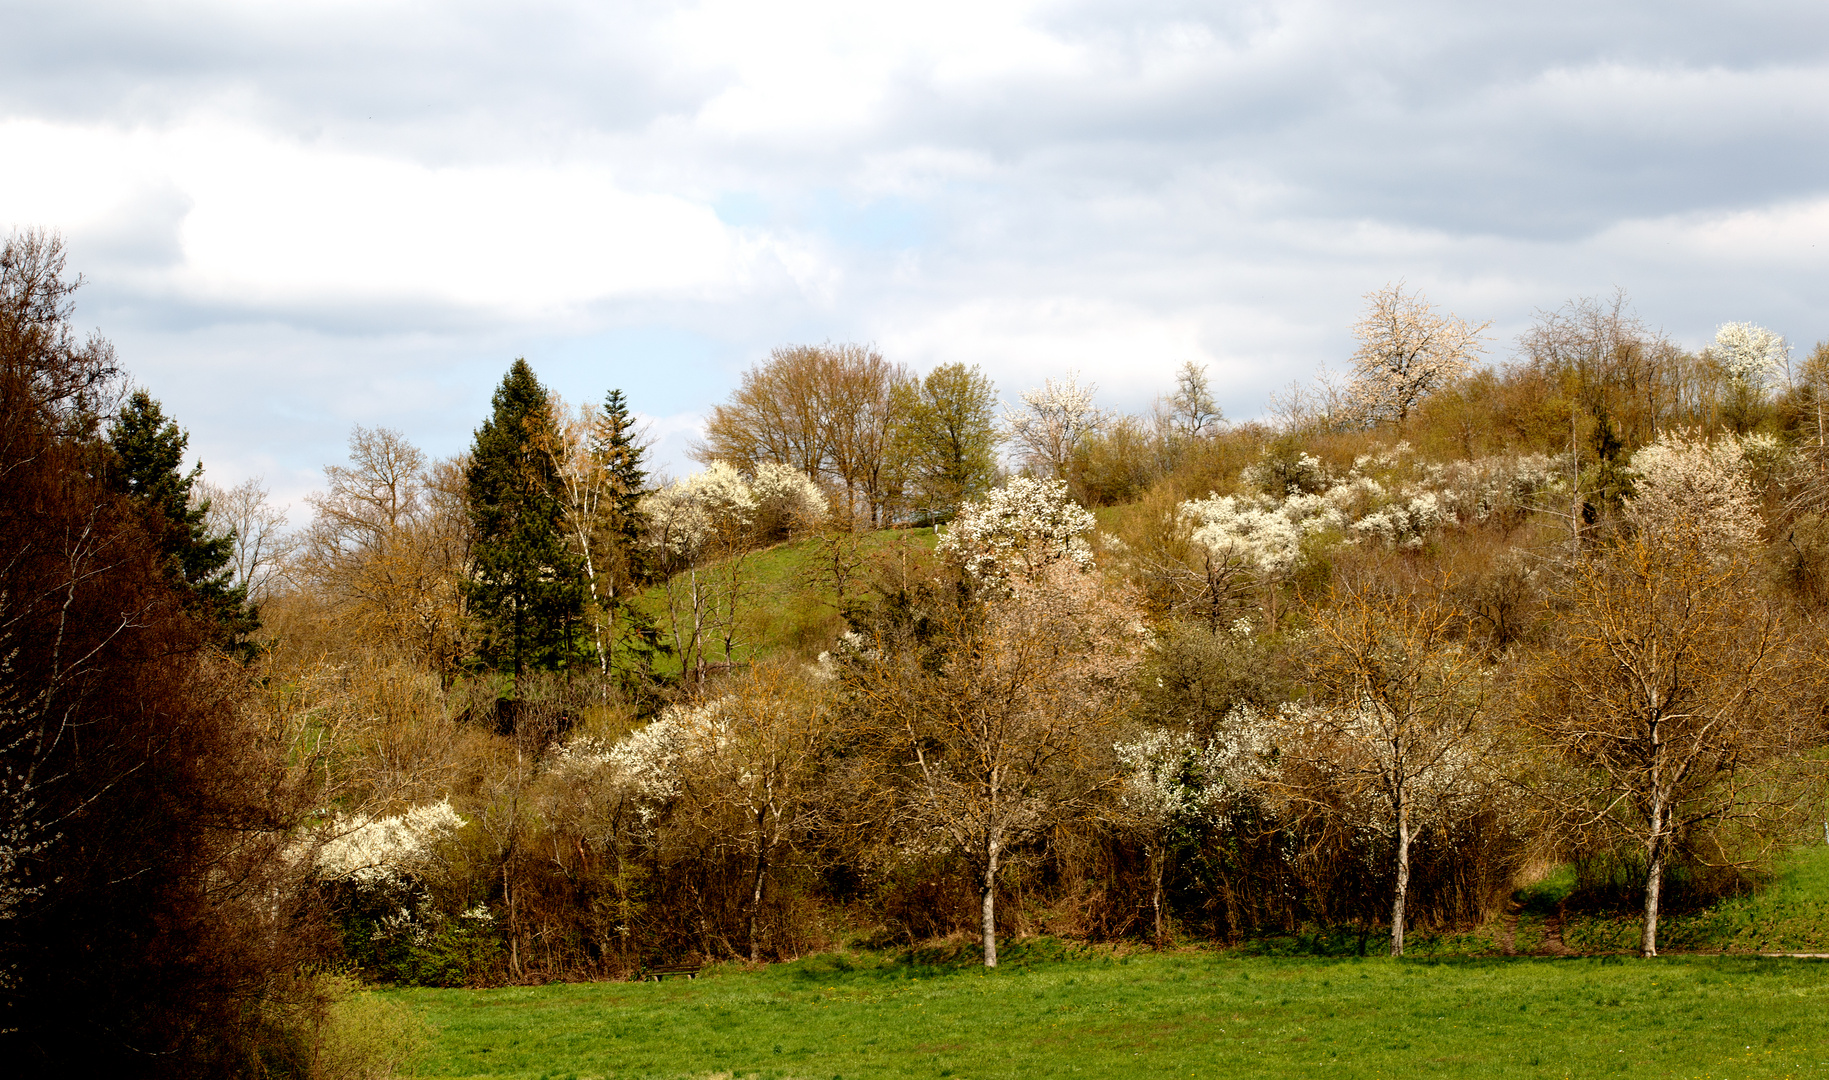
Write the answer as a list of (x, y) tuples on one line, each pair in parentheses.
[(1289, 1005), (1158, 1014)]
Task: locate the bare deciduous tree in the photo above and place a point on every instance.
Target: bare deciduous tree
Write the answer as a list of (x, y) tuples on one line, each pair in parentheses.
[(1673, 695), (261, 546), (388, 547)]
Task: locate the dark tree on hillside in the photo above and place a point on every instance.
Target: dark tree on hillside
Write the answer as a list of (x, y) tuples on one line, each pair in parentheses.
[(528, 588), (148, 467)]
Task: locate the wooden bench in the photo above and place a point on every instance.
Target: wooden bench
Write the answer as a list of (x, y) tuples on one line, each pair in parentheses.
[(656, 974)]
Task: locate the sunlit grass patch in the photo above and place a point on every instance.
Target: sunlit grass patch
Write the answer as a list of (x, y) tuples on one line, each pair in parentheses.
[(1174, 1013)]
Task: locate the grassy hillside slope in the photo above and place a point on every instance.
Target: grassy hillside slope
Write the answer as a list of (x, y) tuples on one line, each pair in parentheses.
[(792, 604)]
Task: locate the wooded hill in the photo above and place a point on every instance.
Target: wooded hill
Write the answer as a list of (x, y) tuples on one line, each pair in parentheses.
[(1433, 630)]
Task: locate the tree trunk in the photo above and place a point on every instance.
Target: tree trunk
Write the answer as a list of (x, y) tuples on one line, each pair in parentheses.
[(755, 892), (1655, 847), (1155, 895), (1402, 891), (514, 939), (990, 905)]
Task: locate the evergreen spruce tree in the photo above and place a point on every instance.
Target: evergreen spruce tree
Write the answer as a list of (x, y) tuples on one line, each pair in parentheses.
[(527, 589), (147, 465), (621, 558)]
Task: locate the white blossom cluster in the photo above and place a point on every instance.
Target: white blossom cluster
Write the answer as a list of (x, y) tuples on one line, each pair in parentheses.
[(646, 764), (1259, 534), (851, 643), (686, 515), (23, 832), (1750, 354), (1304, 473), (1384, 497), (787, 501), (1683, 480), (21, 836), (1173, 777), (1017, 529), (389, 849)]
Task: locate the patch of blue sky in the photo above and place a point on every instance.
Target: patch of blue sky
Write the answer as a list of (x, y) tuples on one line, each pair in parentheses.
[(660, 369), (890, 223), (742, 209)]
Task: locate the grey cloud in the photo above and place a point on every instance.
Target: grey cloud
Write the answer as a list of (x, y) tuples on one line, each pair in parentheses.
[(1250, 169)]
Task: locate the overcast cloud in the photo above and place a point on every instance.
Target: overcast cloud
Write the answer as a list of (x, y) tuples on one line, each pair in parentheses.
[(299, 216)]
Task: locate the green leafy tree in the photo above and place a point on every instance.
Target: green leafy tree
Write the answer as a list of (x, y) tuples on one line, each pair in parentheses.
[(148, 460), (528, 586), (948, 438)]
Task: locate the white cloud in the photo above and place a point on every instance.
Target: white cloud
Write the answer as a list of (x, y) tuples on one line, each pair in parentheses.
[(265, 222)]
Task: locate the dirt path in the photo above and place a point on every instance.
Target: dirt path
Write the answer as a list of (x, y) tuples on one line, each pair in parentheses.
[(1553, 945)]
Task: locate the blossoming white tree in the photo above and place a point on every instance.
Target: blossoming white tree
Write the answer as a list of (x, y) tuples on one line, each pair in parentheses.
[(1054, 420), (1751, 354), (1685, 482), (1173, 780), (1406, 352), (1018, 529), (388, 849)]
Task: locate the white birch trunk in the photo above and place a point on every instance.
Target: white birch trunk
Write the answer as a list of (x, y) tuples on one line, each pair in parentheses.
[(1402, 891), (990, 905)]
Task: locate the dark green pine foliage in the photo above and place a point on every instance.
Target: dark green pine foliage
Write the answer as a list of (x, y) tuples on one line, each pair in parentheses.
[(621, 556), (528, 588), (147, 465)]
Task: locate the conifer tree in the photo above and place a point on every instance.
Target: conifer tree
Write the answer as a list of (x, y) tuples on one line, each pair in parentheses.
[(623, 563), (527, 589), (147, 466)]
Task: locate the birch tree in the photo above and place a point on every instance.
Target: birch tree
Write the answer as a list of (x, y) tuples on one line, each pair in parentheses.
[(598, 456), (1674, 696), (1005, 726), (1398, 736)]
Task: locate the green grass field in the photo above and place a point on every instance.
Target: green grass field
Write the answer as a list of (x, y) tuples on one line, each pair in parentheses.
[(1171, 1014), (1062, 1010)]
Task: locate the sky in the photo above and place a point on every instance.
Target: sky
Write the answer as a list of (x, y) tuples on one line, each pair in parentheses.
[(295, 217)]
